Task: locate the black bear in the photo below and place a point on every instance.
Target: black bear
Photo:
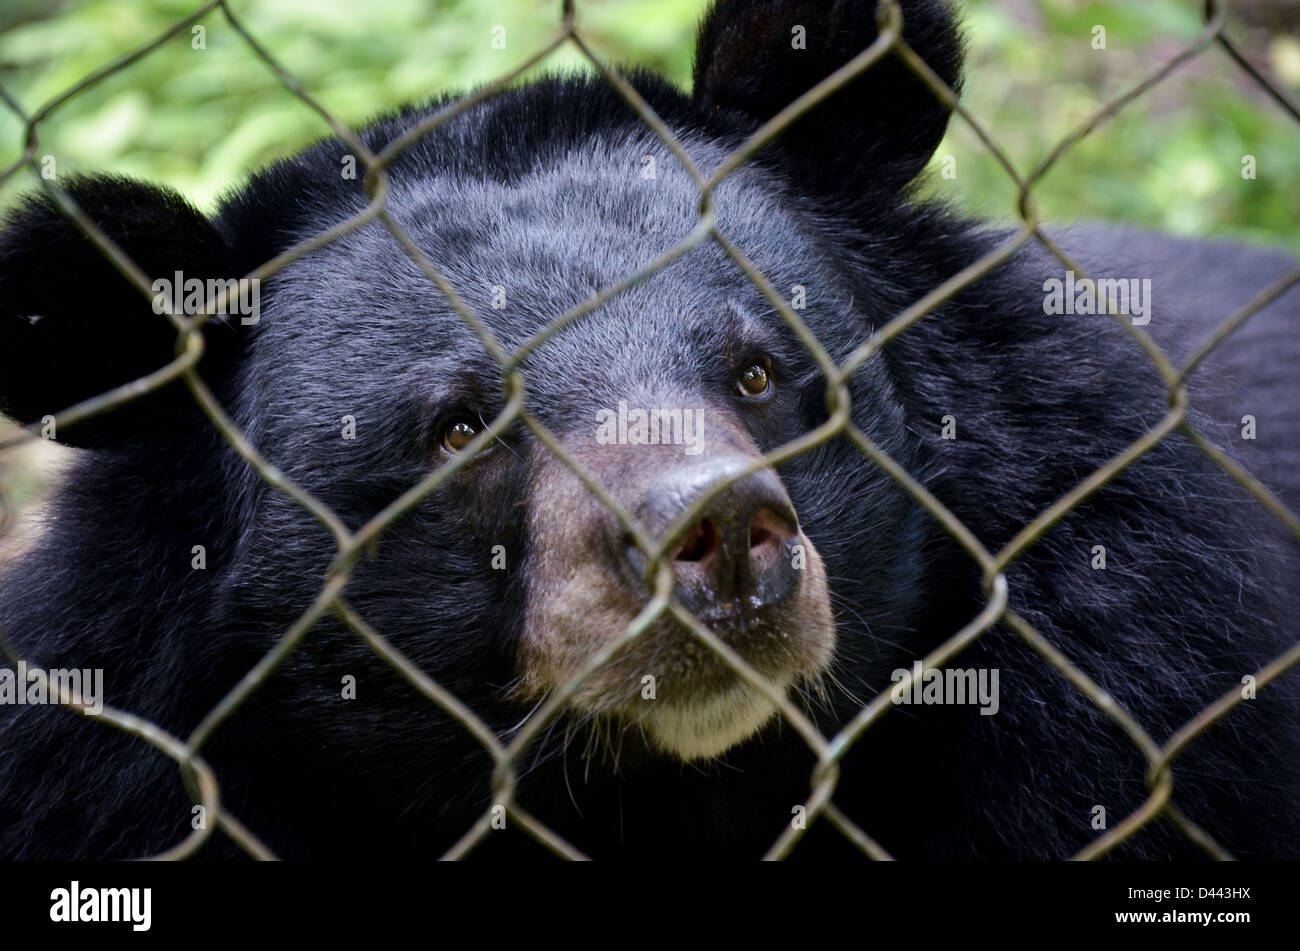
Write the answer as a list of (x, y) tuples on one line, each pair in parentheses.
[(170, 565)]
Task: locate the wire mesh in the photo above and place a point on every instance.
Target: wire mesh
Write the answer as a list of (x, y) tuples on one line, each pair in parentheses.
[(199, 778)]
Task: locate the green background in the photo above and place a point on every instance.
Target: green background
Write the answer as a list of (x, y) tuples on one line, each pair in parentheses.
[(200, 120)]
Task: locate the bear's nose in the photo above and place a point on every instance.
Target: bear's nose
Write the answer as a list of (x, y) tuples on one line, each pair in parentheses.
[(738, 556)]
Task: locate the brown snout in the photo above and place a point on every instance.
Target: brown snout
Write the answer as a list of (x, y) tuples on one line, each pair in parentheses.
[(741, 565)]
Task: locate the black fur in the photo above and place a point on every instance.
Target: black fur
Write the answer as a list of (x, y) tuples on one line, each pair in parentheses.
[(540, 190)]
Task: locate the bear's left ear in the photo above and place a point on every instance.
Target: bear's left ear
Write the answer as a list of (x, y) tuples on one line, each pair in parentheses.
[(758, 56), (72, 327)]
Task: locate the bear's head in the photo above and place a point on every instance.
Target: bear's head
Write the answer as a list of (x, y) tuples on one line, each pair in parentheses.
[(645, 418)]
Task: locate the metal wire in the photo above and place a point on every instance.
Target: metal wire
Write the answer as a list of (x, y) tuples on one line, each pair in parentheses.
[(199, 778)]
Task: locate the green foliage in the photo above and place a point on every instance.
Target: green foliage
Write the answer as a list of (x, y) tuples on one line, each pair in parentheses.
[(202, 118), (1171, 160)]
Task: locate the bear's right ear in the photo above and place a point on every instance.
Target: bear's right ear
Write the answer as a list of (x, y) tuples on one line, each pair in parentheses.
[(755, 57), (72, 327)]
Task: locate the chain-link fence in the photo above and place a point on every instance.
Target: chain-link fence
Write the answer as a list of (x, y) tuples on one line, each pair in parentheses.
[(829, 751)]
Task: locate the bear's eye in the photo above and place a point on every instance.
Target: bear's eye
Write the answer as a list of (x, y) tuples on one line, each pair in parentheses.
[(754, 381), (460, 432)]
